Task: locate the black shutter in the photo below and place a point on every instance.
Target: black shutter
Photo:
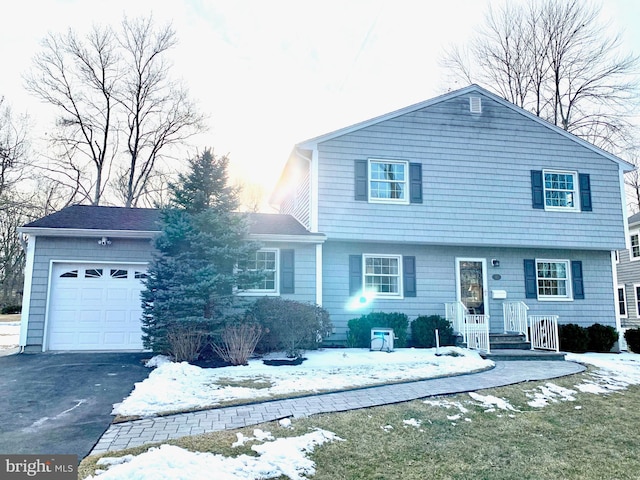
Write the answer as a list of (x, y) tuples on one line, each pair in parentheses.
[(415, 182), (287, 271), (585, 192), (361, 180), (576, 280), (409, 276), (355, 274), (537, 189), (530, 280)]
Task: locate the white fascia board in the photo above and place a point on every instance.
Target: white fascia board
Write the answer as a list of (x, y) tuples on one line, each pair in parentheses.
[(83, 232), (268, 237)]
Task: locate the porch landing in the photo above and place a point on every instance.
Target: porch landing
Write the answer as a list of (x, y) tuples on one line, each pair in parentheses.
[(513, 346)]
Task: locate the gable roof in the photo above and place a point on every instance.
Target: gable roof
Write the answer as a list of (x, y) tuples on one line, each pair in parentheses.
[(89, 220), (634, 219), (312, 143)]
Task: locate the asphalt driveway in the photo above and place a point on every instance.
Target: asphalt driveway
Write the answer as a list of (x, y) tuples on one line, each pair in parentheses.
[(61, 402)]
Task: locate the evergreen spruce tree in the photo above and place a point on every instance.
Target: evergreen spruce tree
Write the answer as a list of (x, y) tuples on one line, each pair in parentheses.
[(193, 273)]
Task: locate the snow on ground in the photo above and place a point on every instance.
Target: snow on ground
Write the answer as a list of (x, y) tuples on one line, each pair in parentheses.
[(276, 457), (9, 334), (181, 386)]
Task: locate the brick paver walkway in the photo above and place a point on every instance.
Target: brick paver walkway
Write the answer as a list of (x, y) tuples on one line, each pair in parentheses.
[(158, 429)]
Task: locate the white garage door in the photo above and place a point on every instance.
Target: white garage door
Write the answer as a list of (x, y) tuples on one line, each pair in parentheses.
[(95, 307)]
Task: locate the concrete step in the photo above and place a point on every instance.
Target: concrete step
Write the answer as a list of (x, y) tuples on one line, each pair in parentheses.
[(508, 341), (518, 354)]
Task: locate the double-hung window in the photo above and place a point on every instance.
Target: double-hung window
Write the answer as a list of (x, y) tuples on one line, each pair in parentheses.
[(388, 181), (383, 275), (560, 190), (553, 279), (622, 301), (265, 262), (635, 246)]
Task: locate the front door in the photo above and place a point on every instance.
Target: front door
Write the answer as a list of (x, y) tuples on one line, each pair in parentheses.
[(472, 284)]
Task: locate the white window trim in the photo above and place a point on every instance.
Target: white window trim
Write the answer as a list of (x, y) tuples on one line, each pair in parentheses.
[(552, 298), (633, 233), (636, 300), (576, 190), (390, 296), (254, 292), (398, 201), (626, 305)]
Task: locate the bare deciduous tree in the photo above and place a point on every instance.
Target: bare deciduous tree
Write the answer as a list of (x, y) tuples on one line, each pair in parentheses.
[(555, 59), (112, 84), (13, 147)]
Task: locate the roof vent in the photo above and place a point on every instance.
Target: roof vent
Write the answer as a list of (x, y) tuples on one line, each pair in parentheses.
[(475, 104)]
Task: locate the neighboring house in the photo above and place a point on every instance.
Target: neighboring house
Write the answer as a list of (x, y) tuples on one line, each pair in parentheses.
[(628, 272), (462, 197)]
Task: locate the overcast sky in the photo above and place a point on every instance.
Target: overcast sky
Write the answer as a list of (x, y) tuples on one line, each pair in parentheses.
[(272, 73)]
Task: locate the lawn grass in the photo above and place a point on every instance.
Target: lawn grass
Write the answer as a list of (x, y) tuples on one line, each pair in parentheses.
[(600, 440)]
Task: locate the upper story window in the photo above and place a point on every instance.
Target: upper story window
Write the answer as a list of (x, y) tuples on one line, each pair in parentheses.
[(560, 190), (635, 246), (553, 279), (388, 181), (383, 275)]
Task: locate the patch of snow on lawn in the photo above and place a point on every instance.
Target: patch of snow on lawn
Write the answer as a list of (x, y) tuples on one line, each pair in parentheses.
[(489, 402), (550, 392), (281, 457), (181, 386), (446, 404), (615, 371), (412, 422)]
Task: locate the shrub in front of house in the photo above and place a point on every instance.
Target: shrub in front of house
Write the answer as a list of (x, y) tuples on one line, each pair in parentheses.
[(423, 331), (187, 338), (11, 309), (601, 337), (359, 334), (632, 336), (573, 338), (289, 326)]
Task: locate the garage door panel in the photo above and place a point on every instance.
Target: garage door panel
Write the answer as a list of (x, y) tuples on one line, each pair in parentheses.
[(99, 309)]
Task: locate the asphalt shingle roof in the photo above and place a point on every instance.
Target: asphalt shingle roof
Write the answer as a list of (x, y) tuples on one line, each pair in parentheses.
[(88, 217)]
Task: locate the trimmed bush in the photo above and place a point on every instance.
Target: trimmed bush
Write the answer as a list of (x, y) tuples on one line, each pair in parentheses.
[(423, 331), (632, 336), (359, 334), (573, 338), (186, 339), (237, 342), (289, 325), (601, 337)]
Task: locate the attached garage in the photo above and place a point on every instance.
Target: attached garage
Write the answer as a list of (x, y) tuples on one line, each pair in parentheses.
[(95, 306)]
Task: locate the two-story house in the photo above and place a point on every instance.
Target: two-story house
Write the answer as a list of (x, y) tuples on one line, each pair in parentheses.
[(461, 198), (628, 274)]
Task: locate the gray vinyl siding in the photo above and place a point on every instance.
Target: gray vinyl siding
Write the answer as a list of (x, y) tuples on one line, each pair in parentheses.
[(436, 283), (129, 251), (476, 182), (628, 272)]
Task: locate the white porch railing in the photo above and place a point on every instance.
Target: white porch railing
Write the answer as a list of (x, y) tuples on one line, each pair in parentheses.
[(477, 332), (455, 312), (473, 328), (515, 318), (544, 332)]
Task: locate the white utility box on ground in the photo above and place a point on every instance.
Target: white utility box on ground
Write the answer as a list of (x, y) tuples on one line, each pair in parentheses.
[(382, 339)]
